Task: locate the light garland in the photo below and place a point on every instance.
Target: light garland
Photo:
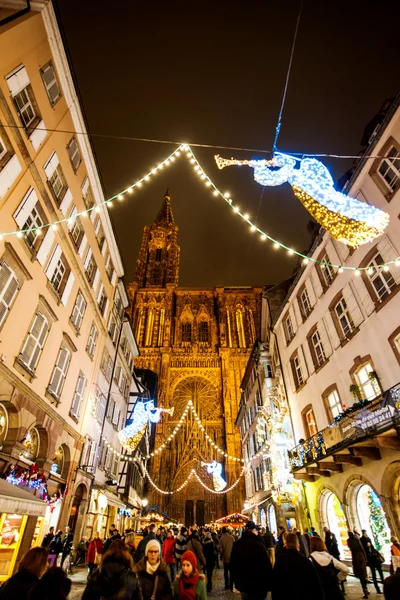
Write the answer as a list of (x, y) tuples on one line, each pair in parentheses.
[(347, 219), (192, 474), (186, 149)]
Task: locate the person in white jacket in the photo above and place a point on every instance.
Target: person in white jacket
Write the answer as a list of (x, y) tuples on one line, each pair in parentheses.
[(330, 570)]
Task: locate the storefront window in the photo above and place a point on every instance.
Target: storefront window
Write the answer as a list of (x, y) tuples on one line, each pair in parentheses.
[(337, 524), (11, 531), (31, 443), (58, 462), (372, 518), (272, 520), (3, 423)]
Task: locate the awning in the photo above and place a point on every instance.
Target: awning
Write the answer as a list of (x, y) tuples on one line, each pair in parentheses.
[(113, 499), (14, 500)]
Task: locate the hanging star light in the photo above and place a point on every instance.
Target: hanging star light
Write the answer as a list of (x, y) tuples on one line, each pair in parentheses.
[(215, 469), (347, 219), (143, 413)]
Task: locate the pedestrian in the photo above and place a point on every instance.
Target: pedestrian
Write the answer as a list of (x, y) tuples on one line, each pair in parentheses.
[(391, 586), (66, 544), (95, 553), (81, 550), (31, 568), (280, 546), (331, 543), (226, 542), (54, 585), (130, 542), (394, 551), (189, 583), (359, 560), (152, 573), (210, 554), (303, 543), (168, 553), (194, 546), (151, 535), (270, 543), (55, 547), (373, 559), (251, 569), (294, 575), (314, 533), (216, 544), (47, 538), (180, 547), (327, 568)]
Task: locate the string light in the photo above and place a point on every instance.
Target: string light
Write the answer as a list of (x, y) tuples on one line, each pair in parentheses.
[(192, 474)]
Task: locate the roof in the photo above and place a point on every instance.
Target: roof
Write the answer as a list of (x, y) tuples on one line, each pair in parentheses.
[(165, 216), (15, 500)]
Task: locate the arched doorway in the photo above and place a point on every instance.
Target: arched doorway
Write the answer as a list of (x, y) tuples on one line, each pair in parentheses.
[(333, 517), (75, 513), (271, 518), (263, 518), (371, 517)]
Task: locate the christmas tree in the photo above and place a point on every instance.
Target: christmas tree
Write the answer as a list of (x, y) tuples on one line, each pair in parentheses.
[(378, 520)]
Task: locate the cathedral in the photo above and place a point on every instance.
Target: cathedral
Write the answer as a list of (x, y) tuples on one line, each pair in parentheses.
[(198, 341)]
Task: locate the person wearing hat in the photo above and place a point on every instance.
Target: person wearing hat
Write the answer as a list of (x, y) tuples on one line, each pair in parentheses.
[(251, 569), (153, 574), (189, 583), (210, 554)]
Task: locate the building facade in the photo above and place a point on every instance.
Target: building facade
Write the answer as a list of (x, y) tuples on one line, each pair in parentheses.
[(60, 300), (339, 338), (198, 342)]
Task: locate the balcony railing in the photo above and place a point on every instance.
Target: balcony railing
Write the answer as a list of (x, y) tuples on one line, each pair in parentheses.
[(374, 417)]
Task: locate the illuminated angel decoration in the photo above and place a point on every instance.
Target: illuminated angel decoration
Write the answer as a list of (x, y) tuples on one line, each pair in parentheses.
[(143, 413), (215, 469), (347, 219)]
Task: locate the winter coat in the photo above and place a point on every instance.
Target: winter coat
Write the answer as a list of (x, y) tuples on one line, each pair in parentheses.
[(323, 559), (147, 581), (67, 542), (269, 540), (180, 545), (210, 552), (279, 548), (251, 569), (303, 545), (95, 544), (331, 544), (168, 551), (56, 545), (18, 586), (141, 549), (358, 557), (112, 581), (225, 547), (195, 546), (200, 589), (391, 586), (370, 551), (47, 539), (294, 576)]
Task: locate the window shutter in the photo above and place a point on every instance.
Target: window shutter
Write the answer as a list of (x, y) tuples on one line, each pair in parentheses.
[(331, 329), (17, 80), (25, 208), (66, 202), (352, 305), (51, 267), (88, 257), (85, 186), (45, 246), (324, 338), (67, 290), (51, 165), (79, 310), (101, 288), (72, 216), (83, 245), (106, 308), (60, 371), (96, 279), (34, 342), (363, 295), (389, 253), (97, 226), (307, 365), (38, 135), (78, 396), (104, 248), (114, 278), (93, 214), (9, 286), (51, 83)]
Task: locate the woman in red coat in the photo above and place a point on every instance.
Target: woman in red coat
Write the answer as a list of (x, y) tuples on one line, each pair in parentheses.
[(168, 552), (95, 552)]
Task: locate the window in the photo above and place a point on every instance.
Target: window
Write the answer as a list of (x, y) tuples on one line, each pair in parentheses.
[(58, 275), (109, 267), (58, 271), (74, 154), (111, 408), (312, 428), (158, 256), (3, 149), (344, 318), (75, 228), (100, 405), (34, 342), (288, 327), (118, 305), (112, 329), (318, 348), (9, 286), (87, 194), (203, 331), (28, 216), (78, 396), (381, 280), (328, 273), (304, 303), (334, 404), (122, 383), (92, 340), (78, 311), (90, 266), (59, 372), (367, 382), (106, 365), (25, 106), (186, 332), (100, 237), (57, 182), (389, 168), (297, 371), (50, 83), (102, 300), (88, 460)]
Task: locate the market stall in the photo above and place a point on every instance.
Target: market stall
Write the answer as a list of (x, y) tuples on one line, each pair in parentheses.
[(234, 520)]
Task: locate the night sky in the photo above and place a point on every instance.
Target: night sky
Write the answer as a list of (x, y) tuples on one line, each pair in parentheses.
[(213, 73)]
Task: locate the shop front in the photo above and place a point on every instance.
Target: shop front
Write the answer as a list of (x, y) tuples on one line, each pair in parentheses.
[(21, 523), (333, 517), (371, 517), (105, 509)]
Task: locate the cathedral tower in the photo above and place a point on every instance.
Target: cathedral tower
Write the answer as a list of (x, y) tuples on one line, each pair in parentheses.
[(198, 342)]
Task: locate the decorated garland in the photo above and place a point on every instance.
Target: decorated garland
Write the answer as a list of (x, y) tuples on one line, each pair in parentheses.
[(35, 478)]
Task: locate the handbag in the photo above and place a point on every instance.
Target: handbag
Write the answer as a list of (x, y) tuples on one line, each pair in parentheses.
[(97, 558), (379, 557)]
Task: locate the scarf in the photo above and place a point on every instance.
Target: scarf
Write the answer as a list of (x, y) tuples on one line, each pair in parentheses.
[(187, 586), (151, 569)]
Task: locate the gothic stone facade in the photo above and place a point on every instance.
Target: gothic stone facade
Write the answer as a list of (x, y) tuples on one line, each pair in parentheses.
[(198, 341)]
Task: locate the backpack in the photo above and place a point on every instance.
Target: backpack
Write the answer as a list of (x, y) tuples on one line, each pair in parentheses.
[(327, 574)]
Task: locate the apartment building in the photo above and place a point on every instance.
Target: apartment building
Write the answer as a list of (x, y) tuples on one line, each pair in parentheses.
[(339, 337), (61, 300)]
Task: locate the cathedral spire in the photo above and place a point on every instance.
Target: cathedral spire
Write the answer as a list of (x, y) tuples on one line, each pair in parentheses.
[(165, 215)]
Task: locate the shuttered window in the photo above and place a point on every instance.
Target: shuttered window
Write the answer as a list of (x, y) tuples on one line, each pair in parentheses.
[(50, 83), (74, 154), (34, 342), (78, 395), (92, 341), (25, 107), (60, 372), (3, 149), (9, 286), (78, 310)]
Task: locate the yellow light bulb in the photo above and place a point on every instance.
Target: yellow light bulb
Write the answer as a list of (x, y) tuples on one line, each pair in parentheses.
[(386, 268), (263, 237), (120, 197), (340, 270), (54, 227), (130, 190), (305, 261), (227, 194), (19, 234), (147, 177), (247, 216), (177, 153), (277, 246), (215, 193), (38, 232), (236, 209), (109, 204), (208, 183), (290, 251), (357, 273)]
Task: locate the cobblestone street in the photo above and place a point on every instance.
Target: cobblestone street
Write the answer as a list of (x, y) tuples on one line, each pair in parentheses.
[(353, 587)]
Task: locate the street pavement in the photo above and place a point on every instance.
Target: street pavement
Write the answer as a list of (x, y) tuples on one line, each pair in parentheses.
[(353, 587)]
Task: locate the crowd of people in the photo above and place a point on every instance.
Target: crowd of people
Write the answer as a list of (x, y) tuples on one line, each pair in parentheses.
[(179, 565)]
